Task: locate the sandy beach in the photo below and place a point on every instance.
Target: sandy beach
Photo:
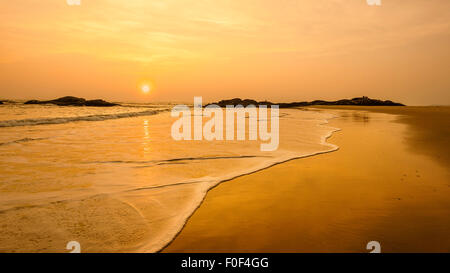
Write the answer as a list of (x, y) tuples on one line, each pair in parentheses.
[(127, 185), (388, 182), (224, 126)]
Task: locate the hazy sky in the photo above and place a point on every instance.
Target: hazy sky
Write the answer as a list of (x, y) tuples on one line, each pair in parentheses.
[(280, 50)]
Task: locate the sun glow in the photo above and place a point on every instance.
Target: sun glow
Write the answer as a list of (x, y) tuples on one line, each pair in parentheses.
[(146, 88)]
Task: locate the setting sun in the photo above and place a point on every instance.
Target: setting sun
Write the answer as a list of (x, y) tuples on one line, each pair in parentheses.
[(145, 88)]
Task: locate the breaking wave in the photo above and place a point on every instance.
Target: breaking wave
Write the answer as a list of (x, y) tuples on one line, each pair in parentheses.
[(60, 120)]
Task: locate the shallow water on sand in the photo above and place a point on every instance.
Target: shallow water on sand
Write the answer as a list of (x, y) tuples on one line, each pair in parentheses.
[(379, 186), (116, 181)]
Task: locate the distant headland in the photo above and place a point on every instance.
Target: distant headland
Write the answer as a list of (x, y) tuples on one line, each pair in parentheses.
[(361, 101), (73, 101)]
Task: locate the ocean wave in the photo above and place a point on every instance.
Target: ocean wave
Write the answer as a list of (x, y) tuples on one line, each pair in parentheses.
[(163, 193), (159, 245), (60, 120), (175, 159), (27, 139)]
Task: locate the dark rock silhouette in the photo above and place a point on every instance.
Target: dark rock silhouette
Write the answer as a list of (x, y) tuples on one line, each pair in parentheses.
[(362, 101), (1, 102), (101, 103), (73, 101)]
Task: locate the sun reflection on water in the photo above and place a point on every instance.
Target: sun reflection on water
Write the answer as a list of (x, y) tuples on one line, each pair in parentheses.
[(146, 138)]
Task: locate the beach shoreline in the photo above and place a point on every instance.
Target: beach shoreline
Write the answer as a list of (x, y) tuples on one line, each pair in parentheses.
[(390, 132), (429, 126), (186, 220), (125, 185)]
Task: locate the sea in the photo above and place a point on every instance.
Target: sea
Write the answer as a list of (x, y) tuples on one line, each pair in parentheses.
[(114, 180)]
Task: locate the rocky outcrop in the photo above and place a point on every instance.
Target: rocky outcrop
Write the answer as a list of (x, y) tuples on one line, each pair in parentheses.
[(73, 101), (99, 103), (362, 101)]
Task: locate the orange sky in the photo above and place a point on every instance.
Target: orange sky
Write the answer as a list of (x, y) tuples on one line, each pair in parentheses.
[(280, 50)]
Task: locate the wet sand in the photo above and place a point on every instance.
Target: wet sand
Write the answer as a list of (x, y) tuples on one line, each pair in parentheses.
[(429, 127), (389, 182)]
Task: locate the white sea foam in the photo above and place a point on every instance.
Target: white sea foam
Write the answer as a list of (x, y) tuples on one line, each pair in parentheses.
[(158, 244), (59, 120), (122, 177)]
